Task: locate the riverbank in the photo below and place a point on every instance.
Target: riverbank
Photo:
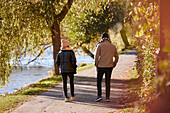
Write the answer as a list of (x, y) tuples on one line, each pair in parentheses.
[(20, 78), (52, 101), (14, 100)]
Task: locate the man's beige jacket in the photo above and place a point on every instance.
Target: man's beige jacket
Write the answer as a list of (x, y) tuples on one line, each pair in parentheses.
[(106, 55)]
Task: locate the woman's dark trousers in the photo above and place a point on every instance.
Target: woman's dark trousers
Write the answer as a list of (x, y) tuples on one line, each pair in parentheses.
[(100, 73), (64, 78)]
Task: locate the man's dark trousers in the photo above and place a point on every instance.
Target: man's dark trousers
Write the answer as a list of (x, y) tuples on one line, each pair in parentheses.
[(100, 73)]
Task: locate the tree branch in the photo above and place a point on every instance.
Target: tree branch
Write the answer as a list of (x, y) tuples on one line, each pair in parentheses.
[(38, 55), (64, 11), (85, 50)]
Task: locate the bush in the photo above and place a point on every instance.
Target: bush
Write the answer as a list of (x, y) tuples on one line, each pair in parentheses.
[(147, 25), (83, 64)]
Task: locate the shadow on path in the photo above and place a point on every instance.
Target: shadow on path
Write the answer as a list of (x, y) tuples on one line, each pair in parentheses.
[(86, 91), (130, 53), (52, 101)]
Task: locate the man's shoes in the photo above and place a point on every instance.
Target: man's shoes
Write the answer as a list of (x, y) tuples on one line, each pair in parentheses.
[(67, 100), (98, 99), (72, 98), (107, 100)]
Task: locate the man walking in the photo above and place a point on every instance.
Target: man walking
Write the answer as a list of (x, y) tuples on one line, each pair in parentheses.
[(106, 58)]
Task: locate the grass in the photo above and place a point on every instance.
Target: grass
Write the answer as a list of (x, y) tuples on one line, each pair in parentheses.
[(85, 67), (126, 50), (127, 110), (10, 102), (134, 74)]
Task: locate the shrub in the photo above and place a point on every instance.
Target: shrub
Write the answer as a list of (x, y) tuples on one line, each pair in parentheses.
[(83, 64)]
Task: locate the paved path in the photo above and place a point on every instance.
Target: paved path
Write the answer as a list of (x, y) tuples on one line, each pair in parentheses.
[(86, 90)]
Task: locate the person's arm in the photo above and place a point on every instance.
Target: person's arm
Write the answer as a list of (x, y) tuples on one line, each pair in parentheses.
[(116, 58), (58, 60), (73, 59), (97, 55)]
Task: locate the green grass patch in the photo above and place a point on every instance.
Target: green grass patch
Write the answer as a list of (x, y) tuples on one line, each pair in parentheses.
[(85, 67), (12, 101), (134, 74), (126, 50), (127, 110)]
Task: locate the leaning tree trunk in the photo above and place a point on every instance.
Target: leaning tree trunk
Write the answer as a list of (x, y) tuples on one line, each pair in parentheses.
[(56, 45), (85, 50), (124, 37)]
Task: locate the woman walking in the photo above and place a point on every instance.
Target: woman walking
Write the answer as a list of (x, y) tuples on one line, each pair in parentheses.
[(66, 60)]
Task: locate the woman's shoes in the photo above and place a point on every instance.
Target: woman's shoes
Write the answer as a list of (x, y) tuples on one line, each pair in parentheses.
[(72, 98), (67, 100)]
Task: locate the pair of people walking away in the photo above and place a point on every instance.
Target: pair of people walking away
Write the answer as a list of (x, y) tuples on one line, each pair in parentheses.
[(104, 53)]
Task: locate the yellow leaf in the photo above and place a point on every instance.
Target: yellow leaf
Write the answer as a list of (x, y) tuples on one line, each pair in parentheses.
[(136, 17)]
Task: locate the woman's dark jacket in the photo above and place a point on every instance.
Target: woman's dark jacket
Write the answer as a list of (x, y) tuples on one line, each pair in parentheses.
[(66, 60)]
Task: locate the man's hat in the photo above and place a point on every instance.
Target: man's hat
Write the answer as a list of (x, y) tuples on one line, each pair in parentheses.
[(105, 35)]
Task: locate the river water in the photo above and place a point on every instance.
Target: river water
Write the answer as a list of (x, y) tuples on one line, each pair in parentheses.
[(37, 70)]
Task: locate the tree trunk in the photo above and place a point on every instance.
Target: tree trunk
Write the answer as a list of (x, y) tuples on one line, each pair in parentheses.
[(85, 50), (163, 62), (56, 39), (56, 45), (124, 38)]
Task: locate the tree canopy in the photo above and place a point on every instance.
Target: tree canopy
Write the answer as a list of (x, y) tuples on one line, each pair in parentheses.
[(85, 27), (23, 30), (27, 27)]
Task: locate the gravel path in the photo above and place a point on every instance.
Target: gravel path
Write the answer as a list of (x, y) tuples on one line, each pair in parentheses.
[(86, 91)]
